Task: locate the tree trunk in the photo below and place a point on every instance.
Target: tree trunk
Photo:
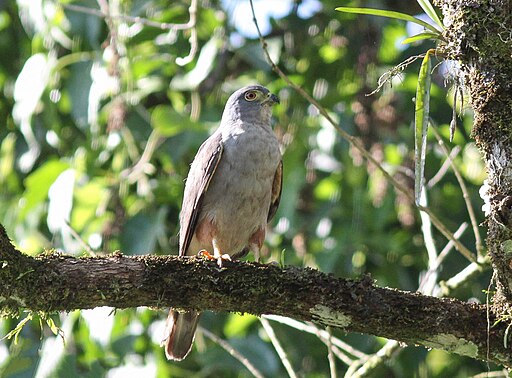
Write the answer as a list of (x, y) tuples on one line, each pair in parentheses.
[(479, 36)]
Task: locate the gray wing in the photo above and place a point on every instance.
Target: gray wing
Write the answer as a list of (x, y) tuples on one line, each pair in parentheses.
[(199, 177), (277, 186)]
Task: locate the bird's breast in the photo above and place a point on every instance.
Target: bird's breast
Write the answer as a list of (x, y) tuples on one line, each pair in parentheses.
[(239, 195)]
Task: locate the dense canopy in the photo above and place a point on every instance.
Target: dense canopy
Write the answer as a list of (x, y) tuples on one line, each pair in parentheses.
[(105, 105)]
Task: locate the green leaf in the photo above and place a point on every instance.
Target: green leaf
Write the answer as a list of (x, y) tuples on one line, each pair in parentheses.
[(238, 325), (429, 10), (141, 232), (389, 14), (204, 65), (16, 331), (420, 37), (38, 184), (169, 122), (421, 116)]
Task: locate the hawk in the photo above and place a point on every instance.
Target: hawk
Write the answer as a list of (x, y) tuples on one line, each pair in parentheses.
[(232, 191)]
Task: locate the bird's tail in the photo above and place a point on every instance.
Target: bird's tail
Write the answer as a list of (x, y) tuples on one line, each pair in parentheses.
[(180, 330)]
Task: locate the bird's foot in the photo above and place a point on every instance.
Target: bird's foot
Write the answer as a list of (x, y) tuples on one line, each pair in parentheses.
[(220, 258), (205, 254)]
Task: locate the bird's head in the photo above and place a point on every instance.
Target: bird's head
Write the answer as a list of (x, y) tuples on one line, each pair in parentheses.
[(251, 104)]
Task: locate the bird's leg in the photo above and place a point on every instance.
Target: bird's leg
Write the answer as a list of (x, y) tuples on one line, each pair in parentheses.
[(217, 254), (256, 250), (256, 242)]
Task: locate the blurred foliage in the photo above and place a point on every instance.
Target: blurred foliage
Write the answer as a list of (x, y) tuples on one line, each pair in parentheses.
[(100, 129)]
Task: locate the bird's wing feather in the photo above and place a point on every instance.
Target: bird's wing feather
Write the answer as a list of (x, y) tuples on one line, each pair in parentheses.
[(199, 178), (277, 186)]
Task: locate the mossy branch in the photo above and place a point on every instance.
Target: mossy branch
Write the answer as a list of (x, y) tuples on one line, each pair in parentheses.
[(55, 282)]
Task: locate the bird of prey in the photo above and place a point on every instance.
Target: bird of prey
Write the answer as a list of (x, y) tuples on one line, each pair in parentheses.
[(232, 191)]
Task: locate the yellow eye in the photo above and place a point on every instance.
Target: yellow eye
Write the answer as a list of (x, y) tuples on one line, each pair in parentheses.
[(250, 95)]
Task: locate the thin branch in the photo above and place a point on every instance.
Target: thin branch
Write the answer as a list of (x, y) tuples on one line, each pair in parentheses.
[(444, 168), (279, 349), (465, 193), (361, 370), (388, 76), (320, 333), (233, 352), (448, 247), (464, 275), (193, 35), (143, 166), (82, 242), (357, 144), (432, 269), (122, 17), (426, 229), (330, 355), (492, 374), (332, 349), (190, 25)]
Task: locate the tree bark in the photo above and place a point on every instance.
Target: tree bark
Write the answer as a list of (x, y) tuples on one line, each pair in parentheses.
[(55, 282), (479, 36)]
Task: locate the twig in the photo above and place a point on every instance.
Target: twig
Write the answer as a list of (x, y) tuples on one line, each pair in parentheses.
[(135, 20), (465, 194), (448, 247), (444, 168), (77, 236), (319, 332), (330, 355), (232, 351), (332, 349), (357, 144), (426, 229), (395, 71), (143, 166), (464, 275), (423, 288), (362, 370), (190, 25), (492, 374), (193, 35), (277, 346)]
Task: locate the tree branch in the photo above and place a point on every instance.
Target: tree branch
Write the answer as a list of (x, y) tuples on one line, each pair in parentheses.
[(54, 282)]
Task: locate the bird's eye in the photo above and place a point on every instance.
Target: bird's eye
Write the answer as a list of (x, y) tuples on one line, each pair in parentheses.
[(250, 96)]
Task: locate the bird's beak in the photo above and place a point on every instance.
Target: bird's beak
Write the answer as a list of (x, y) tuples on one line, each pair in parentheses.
[(271, 99)]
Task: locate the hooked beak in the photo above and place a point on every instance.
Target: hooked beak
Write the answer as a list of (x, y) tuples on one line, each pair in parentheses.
[(271, 99)]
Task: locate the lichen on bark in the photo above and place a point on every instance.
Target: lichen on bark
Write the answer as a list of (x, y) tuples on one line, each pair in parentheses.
[(479, 37)]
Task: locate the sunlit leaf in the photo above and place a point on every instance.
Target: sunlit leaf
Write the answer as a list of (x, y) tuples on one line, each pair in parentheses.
[(7, 159), (38, 184), (16, 331), (204, 65), (429, 10), (169, 122), (389, 14), (60, 200), (30, 85), (86, 201), (420, 37), (237, 325), (421, 119)]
